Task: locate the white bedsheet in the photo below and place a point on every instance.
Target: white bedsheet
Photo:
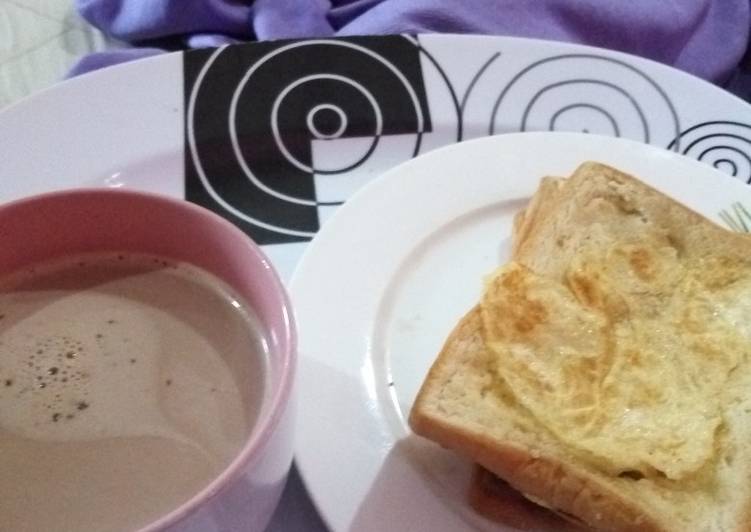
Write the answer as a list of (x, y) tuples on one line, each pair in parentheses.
[(39, 41)]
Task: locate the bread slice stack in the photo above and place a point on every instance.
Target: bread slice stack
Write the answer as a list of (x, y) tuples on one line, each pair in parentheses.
[(495, 499), (605, 373)]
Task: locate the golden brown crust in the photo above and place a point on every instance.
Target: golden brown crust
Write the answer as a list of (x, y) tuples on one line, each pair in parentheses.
[(564, 487), (560, 209), (495, 499), (744, 525), (525, 221), (572, 203)]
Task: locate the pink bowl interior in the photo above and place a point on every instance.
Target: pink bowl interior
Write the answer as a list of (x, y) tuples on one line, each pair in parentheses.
[(80, 221)]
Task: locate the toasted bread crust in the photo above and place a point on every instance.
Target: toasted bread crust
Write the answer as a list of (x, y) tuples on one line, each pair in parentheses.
[(573, 202), (496, 500), (744, 524), (453, 408), (535, 212), (565, 487)]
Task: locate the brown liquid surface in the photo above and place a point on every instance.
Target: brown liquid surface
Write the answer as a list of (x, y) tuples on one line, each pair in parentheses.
[(127, 384)]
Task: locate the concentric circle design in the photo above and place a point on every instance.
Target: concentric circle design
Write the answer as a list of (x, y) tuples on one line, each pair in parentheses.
[(451, 98), (375, 120), (195, 156), (310, 120), (569, 117), (288, 96), (724, 144), (585, 93), (278, 135)]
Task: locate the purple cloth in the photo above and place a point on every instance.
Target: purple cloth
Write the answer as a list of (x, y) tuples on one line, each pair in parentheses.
[(707, 38)]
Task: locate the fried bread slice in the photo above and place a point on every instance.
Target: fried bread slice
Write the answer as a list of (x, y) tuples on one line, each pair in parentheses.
[(605, 373)]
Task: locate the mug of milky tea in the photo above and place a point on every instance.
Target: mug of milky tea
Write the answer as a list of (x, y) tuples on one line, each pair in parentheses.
[(147, 354)]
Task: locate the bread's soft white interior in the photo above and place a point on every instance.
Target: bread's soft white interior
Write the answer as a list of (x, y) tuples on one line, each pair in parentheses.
[(606, 371)]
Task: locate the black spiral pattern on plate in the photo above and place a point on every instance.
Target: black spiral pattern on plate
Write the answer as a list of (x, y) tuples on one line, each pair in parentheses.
[(587, 93), (724, 144), (254, 111)]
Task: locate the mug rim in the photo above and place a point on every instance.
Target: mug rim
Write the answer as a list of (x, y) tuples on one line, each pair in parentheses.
[(279, 399)]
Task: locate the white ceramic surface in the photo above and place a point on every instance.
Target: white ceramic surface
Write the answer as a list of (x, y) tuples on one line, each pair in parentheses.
[(125, 127), (245, 493), (41, 41), (383, 284)]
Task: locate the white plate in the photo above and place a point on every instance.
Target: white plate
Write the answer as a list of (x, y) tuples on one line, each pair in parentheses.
[(127, 126), (383, 283), (152, 124)]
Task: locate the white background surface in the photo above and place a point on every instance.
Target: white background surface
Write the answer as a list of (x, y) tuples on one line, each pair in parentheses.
[(39, 41), (123, 127), (376, 296)]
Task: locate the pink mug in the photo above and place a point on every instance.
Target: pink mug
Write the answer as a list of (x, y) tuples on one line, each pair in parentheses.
[(245, 494)]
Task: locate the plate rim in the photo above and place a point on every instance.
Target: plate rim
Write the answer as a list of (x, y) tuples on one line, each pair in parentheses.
[(352, 210)]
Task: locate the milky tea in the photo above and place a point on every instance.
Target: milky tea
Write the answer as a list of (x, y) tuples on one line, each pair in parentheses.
[(127, 383)]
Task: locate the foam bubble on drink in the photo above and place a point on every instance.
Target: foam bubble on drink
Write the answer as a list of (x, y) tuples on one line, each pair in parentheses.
[(92, 364), (82, 377), (122, 378)]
